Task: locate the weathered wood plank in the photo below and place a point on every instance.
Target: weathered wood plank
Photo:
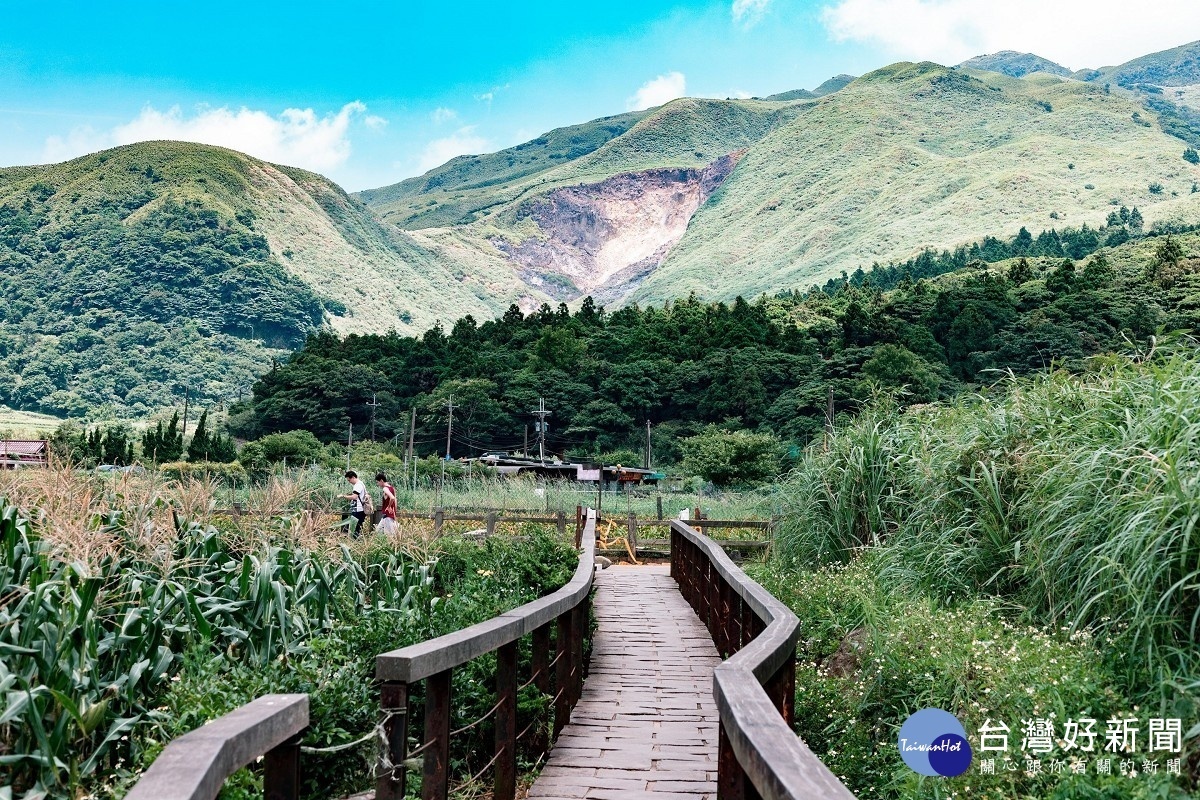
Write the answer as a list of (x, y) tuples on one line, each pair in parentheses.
[(776, 762), (195, 766), (419, 661)]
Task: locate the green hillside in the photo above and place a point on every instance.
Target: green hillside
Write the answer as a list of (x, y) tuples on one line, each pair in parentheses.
[(451, 193), (915, 155), (136, 272), (907, 157), (1015, 65), (1179, 66), (689, 132)]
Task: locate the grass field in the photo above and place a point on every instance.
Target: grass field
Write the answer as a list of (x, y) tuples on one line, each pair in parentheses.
[(26, 424)]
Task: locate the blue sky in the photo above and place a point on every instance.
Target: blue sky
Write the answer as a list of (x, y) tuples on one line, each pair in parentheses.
[(370, 93)]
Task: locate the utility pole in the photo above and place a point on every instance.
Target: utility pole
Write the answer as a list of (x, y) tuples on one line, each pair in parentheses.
[(412, 432), (349, 443), (540, 427), (185, 409), (525, 449), (449, 425), (828, 417), (374, 405), (647, 444)]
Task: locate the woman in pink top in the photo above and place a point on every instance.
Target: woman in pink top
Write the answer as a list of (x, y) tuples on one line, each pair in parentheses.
[(387, 509)]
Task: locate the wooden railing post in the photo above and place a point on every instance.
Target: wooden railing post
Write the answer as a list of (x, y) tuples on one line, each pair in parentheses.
[(390, 784), (562, 672), (560, 520), (506, 722), (781, 688), (436, 777), (439, 517), (281, 771), (491, 523), (731, 778), (579, 632), (724, 618), (542, 680)]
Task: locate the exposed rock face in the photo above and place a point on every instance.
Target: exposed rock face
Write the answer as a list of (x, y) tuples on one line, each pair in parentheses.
[(604, 238)]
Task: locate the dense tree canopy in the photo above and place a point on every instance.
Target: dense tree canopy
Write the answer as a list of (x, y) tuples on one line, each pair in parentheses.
[(121, 298), (767, 366)]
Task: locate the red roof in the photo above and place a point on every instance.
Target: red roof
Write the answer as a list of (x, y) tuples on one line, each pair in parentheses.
[(22, 447)]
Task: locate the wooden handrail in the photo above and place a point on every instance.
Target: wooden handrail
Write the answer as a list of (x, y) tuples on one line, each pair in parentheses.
[(195, 766), (759, 753), (433, 661)]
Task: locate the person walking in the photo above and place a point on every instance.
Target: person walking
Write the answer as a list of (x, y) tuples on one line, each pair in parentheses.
[(387, 508), (358, 500)]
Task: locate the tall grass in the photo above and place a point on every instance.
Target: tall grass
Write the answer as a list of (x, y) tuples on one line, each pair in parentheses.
[(1073, 499), (132, 609)]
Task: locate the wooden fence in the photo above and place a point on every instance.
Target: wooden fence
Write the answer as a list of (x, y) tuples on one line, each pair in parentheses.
[(433, 661), (196, 765), (758, 755)]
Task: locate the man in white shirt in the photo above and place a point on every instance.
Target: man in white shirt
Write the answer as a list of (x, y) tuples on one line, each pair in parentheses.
[(358, 492)]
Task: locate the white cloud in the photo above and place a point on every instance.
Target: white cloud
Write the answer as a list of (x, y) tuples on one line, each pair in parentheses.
[(81, 140), (489, 96), (657, 91), (297, 137), (749, 12), (461, 142), (375, 122), (443, 114), (1075, 33)]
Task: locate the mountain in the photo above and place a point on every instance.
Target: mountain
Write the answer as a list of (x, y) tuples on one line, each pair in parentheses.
[(136, 273), (1015, 65), (1167, 83), (747, 196), (133, 273), (1177, 67), (834, 84)]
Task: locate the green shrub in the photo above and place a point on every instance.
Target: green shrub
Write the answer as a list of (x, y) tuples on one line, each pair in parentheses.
[(732, 457), (231, 474)]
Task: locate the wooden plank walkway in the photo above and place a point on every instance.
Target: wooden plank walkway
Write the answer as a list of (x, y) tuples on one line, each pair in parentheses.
[(646, 726)]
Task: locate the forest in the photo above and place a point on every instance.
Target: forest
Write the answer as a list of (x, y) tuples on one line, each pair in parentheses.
[(771, 365)]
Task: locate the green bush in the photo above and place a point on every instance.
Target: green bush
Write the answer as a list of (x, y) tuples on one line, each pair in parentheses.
[(969, 658), (730, 458), (231, 474), (1058, 510)]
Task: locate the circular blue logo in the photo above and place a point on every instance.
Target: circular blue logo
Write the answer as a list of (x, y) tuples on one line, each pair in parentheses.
[(933, 742)]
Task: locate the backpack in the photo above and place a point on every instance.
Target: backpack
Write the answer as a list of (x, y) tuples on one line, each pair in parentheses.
[(368, 504)]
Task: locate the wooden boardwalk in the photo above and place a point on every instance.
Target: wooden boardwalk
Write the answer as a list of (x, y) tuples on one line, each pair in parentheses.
[(646, 726)]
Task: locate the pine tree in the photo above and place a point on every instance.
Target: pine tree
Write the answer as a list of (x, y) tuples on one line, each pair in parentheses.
[(1135, 220), (1020, 272), (200, 444), (1191, 156), (172, 442)]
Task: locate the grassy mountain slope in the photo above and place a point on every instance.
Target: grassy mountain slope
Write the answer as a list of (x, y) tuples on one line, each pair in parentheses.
[(686, 133), (451, 193), (1179, 66), (1015, 65), (133, 273), (834, 84), (915, 155)]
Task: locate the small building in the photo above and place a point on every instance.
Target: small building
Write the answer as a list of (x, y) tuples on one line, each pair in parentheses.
[(24, 453), (614, 475)]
